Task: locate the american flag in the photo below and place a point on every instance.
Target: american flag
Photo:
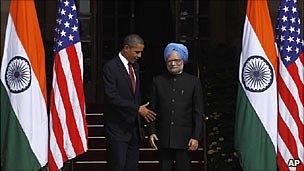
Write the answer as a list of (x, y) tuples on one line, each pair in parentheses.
[(290, 87), (68, 129)]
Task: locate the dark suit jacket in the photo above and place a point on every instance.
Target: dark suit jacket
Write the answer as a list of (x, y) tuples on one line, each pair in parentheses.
[(178, 103), (121, 105)]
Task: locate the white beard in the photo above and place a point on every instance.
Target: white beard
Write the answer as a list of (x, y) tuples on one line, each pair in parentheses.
[(177, 70)]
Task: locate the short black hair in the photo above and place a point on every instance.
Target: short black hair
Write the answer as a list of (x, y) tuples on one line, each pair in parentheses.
[(132, 40)]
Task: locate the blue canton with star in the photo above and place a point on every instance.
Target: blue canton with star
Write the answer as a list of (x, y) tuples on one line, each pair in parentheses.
[(67, 30), (289, 38)]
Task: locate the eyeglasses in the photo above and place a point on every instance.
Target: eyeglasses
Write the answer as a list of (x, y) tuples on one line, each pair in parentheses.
[(175, 61)]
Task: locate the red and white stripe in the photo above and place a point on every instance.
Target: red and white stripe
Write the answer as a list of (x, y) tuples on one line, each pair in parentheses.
[(290, 119), (68, 129)]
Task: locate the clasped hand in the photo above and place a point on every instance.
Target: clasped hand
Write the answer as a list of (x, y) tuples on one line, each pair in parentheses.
[(147, 114)]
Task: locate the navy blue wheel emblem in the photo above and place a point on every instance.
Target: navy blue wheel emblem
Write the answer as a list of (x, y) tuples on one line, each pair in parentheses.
[(18, 74), (257, 74)]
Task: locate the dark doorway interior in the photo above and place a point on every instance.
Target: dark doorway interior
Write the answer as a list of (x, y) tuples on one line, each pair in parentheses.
[(154, 22)]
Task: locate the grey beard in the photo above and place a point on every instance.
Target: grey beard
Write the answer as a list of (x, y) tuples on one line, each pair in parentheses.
[(176, 73)]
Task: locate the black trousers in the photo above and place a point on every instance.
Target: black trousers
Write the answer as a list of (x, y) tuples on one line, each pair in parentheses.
[(124, 155), (181, 156)]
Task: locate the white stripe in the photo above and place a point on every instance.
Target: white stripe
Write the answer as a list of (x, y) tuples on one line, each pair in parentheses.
[(62, 116), (73, 97), (29, 106), (301, 74), (55, 151), (292, 126), (292, 88), (264, 103), (284, 152), (300, 69), (80, 57)]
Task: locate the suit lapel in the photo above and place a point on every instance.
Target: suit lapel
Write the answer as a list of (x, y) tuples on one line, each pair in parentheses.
[(137, 77)]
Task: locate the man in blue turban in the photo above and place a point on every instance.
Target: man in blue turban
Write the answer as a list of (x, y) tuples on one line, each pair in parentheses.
[(177, 99), (177, 47), (175, 55)]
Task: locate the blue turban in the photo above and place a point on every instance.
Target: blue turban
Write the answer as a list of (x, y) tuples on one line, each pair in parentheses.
[(179, 48)]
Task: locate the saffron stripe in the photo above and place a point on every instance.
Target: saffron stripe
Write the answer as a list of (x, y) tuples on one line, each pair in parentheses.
[(26, 23)]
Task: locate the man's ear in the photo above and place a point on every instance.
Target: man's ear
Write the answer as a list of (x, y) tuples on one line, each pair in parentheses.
[(126, 47)]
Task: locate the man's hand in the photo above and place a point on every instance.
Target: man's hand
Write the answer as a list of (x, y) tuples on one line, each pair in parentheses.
[(193, 144), (147, 114), (152, 140)]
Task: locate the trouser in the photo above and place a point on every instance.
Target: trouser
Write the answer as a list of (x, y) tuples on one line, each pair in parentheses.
[(124, 155), (181, 156)]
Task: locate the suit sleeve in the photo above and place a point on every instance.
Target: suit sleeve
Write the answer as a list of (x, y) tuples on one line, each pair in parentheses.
[(198, 106), (113, 97), (151, 128)]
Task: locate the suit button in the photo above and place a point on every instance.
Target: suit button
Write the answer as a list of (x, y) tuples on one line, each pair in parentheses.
[(173, 100), (172, 123), (174, 79), (173, 89), (172, 111)]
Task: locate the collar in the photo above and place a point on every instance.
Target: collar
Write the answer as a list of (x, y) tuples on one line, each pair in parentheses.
[(123, 60), (176, 75)]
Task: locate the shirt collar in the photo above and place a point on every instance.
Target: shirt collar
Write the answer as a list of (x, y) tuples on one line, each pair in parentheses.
[(123, 60)]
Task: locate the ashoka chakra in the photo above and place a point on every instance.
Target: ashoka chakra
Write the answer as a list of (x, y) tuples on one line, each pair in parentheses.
[(18, 74), (257, 74)]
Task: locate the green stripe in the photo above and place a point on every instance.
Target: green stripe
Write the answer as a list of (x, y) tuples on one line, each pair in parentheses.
[(252, 142), (16, 153)]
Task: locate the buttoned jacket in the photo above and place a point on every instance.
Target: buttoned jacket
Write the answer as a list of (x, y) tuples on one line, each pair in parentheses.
[(120, 103), (178, 103)]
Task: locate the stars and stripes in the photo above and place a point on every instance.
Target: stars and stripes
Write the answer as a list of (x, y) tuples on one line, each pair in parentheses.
[(68, 129), (290, 86), (66, 32)]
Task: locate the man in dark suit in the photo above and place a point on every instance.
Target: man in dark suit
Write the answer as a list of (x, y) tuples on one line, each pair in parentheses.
[(177, 99), (122, 105)]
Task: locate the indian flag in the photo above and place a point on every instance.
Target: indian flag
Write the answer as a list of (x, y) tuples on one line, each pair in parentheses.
[(256, 112), (24, 121)]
